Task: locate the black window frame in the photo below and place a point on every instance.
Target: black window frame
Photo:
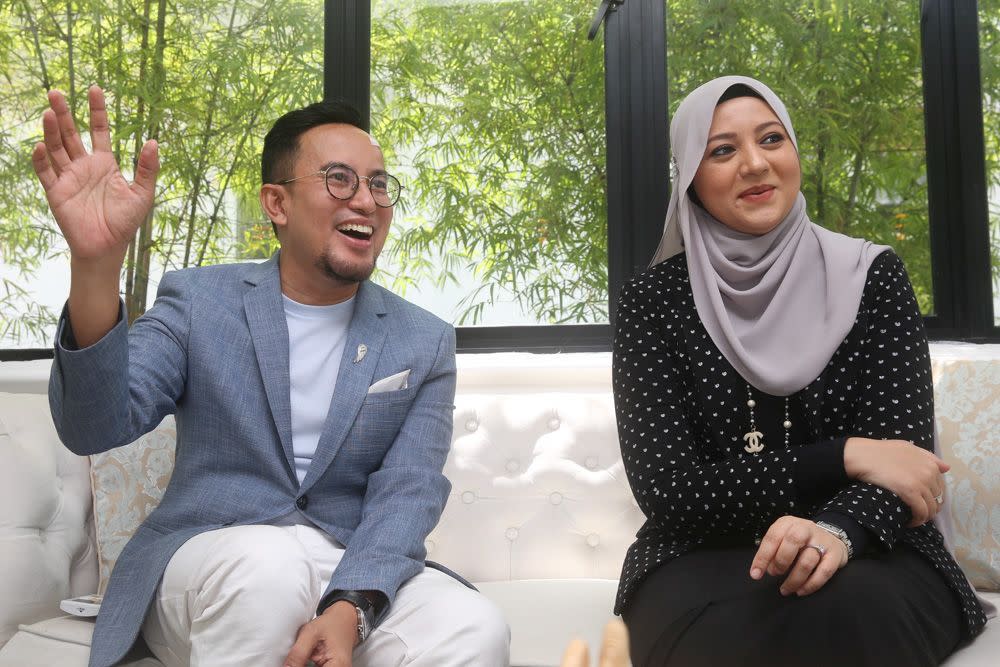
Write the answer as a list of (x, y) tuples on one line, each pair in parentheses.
[(638, 186)]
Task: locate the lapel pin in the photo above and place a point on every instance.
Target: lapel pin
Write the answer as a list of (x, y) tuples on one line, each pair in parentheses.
[(362, 351)]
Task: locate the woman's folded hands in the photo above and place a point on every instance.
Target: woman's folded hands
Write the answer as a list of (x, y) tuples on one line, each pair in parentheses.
[(913, 473), (803, 551)]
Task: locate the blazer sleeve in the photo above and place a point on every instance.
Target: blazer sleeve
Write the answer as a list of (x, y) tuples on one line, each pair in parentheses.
[(680, 480), (897, 400), (406, 495), (110, 393)]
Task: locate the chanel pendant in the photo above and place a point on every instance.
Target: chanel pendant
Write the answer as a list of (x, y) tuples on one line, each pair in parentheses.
[(753, 440)]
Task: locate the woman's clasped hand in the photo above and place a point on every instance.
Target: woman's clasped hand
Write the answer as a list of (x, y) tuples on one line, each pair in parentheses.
[(913, 473), (803, 551)]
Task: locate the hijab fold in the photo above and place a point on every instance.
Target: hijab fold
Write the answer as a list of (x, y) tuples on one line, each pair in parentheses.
[(776, 305)]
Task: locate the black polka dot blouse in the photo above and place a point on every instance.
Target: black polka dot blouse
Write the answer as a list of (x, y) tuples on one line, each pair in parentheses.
[(682, 413)]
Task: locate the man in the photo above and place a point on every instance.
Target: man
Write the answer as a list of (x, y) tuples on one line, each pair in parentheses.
[(313, 416)]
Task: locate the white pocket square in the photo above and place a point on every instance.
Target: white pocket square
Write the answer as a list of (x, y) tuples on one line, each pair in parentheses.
[(391, 383)]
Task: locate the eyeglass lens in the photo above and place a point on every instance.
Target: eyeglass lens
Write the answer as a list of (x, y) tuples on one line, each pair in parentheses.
[(342, 182)]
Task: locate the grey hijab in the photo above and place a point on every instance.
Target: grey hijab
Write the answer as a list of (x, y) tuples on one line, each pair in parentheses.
[(777, 305)]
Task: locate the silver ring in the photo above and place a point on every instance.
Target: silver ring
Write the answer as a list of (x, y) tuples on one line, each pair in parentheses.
[(818, 547), (939, 499)]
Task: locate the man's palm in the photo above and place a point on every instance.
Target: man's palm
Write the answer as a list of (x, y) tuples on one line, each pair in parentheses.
[(97, 210)]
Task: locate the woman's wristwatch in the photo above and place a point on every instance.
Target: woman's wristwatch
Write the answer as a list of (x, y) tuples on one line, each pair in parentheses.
[(840, 534)]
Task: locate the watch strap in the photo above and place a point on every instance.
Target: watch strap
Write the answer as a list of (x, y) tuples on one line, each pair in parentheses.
[(840, 534)]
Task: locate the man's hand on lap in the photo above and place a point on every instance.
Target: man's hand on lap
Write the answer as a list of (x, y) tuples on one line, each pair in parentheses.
[(328, 640)]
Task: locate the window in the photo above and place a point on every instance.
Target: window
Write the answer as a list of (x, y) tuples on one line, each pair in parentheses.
[(206, 79), (493, 114), (535, 161), (850, 75), (989, 40)]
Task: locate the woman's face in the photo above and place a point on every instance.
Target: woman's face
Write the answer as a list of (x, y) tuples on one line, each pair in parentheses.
[(749, 176)]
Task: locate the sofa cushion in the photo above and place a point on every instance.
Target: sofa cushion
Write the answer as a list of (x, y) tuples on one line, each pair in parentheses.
[(984, 650), (538, 478), (63, 641), (128, 483), (46, 553), (967, 396), (544, 615)]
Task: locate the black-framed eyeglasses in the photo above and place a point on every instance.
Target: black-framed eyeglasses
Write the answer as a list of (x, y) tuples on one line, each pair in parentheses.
[(342, 183)]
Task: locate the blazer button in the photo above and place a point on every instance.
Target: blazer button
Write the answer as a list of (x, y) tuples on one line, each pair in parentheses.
[(302, 502)]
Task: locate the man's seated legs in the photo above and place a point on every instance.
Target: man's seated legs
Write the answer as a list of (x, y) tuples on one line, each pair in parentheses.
[(234, 596), (238, 596), (437, 622)]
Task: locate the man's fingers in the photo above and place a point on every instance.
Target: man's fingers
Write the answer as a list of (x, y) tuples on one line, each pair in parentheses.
[(100, 130), (53, 142), (614, 648), (577, 654), (146, 169), (67, 127), (302, 649), (43, 168)]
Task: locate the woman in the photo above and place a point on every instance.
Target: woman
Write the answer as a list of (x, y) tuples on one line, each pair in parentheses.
[(775, 411)]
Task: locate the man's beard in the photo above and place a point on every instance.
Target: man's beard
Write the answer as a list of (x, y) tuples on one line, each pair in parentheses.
[(344, 273)]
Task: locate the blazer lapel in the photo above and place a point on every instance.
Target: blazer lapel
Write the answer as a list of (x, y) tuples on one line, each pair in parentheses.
[(266, 319), (353, 379)]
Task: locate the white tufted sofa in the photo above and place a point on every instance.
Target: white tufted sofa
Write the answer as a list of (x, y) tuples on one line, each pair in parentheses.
[(540, 514)]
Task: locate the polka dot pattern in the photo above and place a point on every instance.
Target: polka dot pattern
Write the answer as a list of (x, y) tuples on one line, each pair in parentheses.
[(681, 410)]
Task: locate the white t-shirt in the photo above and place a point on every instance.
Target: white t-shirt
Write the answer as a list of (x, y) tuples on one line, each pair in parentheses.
[(316, 336)]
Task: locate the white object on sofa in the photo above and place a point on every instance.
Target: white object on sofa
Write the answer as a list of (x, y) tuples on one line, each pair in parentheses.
[(540, 513)]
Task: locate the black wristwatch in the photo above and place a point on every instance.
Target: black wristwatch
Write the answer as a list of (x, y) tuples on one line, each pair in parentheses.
[(364, 607)]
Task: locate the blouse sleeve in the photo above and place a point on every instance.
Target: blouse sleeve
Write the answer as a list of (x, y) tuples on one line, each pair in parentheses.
[(680, 481), (897, 397)]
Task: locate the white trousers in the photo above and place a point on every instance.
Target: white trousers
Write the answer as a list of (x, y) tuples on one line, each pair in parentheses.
[(238, 596)]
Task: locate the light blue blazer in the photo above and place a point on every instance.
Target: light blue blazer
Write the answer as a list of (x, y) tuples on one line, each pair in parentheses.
[(214, 350)]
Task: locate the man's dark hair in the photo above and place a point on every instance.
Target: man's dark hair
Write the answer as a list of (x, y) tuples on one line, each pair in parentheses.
[(281, 144)]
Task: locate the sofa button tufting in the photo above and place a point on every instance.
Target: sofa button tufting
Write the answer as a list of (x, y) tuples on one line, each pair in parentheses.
[(513, 465), (591, 463), (468, 497), (511, 534), (471, 425), (593, 540), (555, 498), (554, 423), (302, 502)]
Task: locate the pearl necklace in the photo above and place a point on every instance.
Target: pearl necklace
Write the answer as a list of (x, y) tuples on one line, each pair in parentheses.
[(754, 437)]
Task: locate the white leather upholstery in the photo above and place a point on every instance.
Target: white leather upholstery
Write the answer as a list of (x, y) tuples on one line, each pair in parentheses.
[(540, 513), (46, 548)]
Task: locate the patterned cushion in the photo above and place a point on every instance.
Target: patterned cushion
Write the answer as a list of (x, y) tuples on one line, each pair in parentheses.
[(967, 396), (128, 483)]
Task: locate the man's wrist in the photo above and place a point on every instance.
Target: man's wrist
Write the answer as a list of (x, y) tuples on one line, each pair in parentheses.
[(344, 614), (364, 609)]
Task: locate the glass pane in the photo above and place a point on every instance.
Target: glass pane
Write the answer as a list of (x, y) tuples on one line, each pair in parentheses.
[(493, 114), (849, 72), (989, 44), (207, 81)]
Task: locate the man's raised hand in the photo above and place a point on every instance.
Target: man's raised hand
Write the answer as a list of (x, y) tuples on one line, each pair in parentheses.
[(97, 210)]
